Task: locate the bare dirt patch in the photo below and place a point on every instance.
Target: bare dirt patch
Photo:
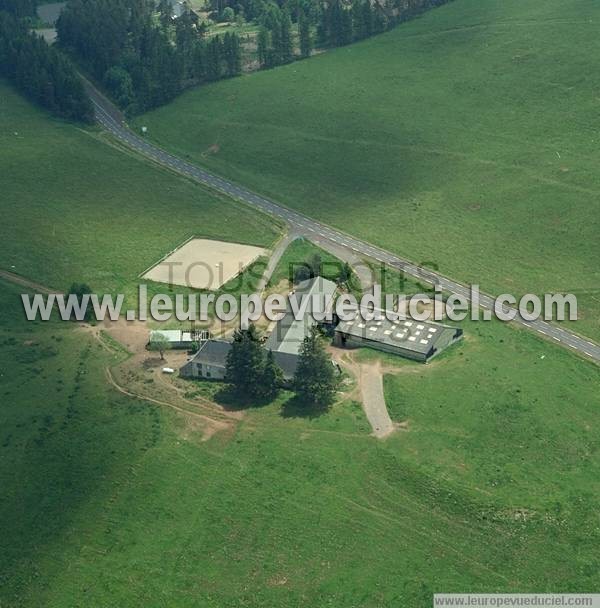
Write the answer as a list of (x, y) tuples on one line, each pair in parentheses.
[(140, 376), (204, 263)]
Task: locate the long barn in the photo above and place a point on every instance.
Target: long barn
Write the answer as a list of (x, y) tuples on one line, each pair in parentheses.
[(417, 340)]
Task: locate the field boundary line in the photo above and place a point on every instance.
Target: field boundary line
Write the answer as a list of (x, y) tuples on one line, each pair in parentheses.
[(164, 257)]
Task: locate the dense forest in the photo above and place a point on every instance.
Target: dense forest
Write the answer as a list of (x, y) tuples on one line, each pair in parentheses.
[(145, 58), (19, 8), (40, 72)]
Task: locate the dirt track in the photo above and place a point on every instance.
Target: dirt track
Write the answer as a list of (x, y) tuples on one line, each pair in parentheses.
[(369, 391), (19, 280), (371, 387)]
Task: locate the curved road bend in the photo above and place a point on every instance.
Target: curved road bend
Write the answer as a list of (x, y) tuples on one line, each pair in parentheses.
[(110, 118)]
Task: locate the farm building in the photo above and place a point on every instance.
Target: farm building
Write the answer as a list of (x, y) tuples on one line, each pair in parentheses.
[(211, 360), (179, 339), (417, 340), (288, 334), (285, 339)]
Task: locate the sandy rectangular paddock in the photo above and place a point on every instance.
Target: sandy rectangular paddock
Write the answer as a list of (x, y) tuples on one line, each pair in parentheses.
[(204, 264)]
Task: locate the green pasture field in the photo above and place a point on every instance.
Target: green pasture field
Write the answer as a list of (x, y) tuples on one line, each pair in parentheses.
[(76, 209), (301, 252), (464, 137)]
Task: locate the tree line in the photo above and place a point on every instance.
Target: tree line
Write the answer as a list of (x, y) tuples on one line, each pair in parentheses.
[(253, 374), (274, 45), (143, 61), (340, 22), (336, 22), (41, 73)]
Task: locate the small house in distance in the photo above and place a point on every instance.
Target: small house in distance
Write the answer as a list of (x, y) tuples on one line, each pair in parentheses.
[(416, 340), (177, 8)]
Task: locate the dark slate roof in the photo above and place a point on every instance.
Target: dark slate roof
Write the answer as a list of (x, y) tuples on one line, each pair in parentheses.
[(214, 352), (287, 362)]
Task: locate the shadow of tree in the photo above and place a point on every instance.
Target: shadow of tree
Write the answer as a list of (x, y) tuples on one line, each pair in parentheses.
[(296, 407), (233, 401), (293, 407)]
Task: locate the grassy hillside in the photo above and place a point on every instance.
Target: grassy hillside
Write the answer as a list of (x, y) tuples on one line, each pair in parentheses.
[(111, 501), (515, 421), (77, 209), (465, 137)]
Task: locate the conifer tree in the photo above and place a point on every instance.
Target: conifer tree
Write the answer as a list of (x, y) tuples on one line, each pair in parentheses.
[(232, 54), (165, 11), (304, 35), (245, 363), (213, 59), (286, 50), (262, 47), (272, 378), (315, 381)]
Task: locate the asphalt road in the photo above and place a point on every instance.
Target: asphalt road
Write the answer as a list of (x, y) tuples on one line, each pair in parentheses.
[(109, 117)]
